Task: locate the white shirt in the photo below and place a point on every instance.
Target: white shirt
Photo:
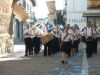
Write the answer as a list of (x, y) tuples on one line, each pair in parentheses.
[(29, 32), (74, 34), (70, 31), (89, 32), (68, 38)]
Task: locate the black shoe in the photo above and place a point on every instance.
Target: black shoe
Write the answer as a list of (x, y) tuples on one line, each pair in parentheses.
[(45, 55), (49, 54), (89, 56), (95, 52), (31, 54), (26, 55), (62, 62)]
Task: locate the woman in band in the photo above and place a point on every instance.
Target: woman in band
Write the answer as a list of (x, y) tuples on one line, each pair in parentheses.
[(65, 45), (77, 31), (75, 41)]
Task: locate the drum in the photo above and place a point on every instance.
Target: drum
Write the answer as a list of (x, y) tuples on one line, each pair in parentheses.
[(47, 38)]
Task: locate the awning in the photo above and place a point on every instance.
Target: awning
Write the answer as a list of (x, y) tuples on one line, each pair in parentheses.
[(20, 12), (91, 13)]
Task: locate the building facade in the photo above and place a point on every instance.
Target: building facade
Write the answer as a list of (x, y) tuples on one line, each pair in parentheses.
[(93, 13), (28, 6), (6, 40), (12, 16), (74, 12)]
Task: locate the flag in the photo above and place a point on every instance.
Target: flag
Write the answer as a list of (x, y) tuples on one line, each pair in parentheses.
[(51, 7)]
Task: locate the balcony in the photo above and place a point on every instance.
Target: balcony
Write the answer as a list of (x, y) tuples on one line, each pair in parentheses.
[(33, 2)]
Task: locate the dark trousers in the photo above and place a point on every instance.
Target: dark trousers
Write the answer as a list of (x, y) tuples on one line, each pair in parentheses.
[(78, 41), (36, 44), (95, 41), (52, 46), (28, 46), (89, 48), (57, 45), (47, 51)]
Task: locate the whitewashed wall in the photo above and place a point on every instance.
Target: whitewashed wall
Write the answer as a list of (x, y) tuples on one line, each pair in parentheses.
[(75, 9)]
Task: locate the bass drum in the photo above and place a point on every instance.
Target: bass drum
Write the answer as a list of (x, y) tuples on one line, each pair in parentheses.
[(47, 38)]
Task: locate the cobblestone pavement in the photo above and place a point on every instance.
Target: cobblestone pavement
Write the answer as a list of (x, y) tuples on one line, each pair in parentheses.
[(17, 64)]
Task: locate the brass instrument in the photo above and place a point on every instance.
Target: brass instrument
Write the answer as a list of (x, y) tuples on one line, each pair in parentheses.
[(35, 29)]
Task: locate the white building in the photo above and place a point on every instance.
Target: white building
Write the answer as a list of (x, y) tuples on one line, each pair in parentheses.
[(75, 9)]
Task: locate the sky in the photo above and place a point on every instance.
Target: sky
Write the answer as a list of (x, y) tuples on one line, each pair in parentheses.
[(41, 10)]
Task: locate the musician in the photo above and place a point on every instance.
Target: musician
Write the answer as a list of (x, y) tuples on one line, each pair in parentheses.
[(47, 50), (28, 41), (89, 35), (66, 45), (77, 32), (37, 41), (56, 41), (75, 38)]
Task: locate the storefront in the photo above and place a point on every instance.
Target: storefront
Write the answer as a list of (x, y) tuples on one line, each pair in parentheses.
[(93, 16), (93, 13)]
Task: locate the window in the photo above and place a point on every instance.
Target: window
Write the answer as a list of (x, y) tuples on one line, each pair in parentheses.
[(74, 20), (24, 3), (69, 20), (81, 20)]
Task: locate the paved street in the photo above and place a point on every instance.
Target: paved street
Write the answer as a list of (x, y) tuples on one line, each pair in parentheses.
[(17, 64)]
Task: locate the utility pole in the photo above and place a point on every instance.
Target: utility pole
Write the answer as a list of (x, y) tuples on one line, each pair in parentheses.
[(66, 11)]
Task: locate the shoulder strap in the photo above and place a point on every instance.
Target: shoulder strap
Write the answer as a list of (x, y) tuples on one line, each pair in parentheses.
[(91, 30), (86, 31), (65, 36)]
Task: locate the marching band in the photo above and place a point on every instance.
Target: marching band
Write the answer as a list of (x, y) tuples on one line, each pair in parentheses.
[(66, 41)]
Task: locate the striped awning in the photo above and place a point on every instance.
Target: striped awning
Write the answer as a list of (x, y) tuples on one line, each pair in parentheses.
[(20, 12)]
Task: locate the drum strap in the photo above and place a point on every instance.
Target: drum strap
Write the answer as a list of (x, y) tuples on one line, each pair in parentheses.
[(65, 37)]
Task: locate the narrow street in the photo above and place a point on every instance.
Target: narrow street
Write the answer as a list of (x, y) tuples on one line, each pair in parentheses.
[(31, 23), (17, 64)]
